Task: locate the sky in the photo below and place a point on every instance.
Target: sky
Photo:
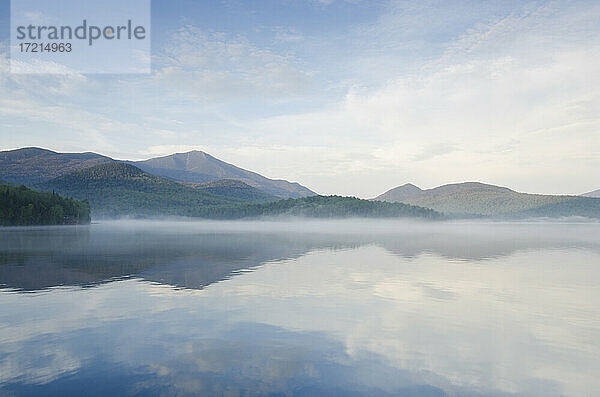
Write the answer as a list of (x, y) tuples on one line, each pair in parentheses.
[(344, 96)]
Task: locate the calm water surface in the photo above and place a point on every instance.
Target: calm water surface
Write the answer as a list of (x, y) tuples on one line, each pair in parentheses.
[(301, 308)]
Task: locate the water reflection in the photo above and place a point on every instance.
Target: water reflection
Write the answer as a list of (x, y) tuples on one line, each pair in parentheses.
[(417, 310), (196, 254)]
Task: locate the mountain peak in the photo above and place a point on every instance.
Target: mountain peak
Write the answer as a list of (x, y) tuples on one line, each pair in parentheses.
[(199, 155), (409, 187), (28, 151), (199, 167), (400, 193), (189, 153)]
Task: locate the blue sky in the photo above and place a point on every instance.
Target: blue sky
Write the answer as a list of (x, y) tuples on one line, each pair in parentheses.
[(346, 97)]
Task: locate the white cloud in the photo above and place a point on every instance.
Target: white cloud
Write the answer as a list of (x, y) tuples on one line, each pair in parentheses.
[(518, 99)]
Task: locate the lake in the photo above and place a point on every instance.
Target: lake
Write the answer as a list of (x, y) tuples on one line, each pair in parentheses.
[(307, 308)]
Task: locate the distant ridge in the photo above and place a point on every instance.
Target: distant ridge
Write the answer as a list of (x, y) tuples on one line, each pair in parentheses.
[(200, 167), (475, 198)]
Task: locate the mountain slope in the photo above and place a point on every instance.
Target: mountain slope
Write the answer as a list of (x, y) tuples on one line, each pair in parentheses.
[(473, 198), (595, 193), (588, 207), (30, 166), (234, 188), (200, 167), (114, 189)]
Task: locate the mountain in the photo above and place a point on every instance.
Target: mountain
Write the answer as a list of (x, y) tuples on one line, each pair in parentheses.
[(120, 189), (200, 167), (22, 206), (236, 189), (114, 189), (476, 198), (31, 166), (595, 193)]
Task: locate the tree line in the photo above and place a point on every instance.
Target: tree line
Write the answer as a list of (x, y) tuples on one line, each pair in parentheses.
[(22, 206), (318, 207)]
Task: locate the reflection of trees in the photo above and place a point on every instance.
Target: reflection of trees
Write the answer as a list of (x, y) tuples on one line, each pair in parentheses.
[(32, 259)]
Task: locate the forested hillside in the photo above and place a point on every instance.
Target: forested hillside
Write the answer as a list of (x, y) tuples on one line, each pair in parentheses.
[(22, 206), (236, 189), (119, 189), (319, 207)]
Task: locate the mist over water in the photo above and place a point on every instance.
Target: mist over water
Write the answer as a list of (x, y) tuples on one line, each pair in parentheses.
[(303, 307)]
